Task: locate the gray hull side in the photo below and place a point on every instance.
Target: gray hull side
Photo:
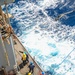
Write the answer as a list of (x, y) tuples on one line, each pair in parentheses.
[(11, 54), (3, 61)]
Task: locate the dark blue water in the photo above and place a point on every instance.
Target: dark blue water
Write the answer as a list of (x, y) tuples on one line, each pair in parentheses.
[(52, 12), (71, 17), (70, 21)]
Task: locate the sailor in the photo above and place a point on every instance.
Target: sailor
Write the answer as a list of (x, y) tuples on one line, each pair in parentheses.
[(31, 67), (6, 29), (6, 33), (42, 73), (28, 73), (27, 57), (2, 28), (24, 59), (9, 30)]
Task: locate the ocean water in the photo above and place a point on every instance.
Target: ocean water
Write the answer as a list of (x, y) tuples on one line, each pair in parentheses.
[(51, 42)]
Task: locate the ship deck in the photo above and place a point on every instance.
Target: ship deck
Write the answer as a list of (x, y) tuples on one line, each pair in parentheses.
[(19, 47)]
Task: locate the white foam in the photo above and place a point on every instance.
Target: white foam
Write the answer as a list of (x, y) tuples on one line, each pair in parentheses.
[(45, 41)]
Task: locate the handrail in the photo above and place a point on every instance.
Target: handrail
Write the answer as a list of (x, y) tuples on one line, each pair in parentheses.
[(18, 52)]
